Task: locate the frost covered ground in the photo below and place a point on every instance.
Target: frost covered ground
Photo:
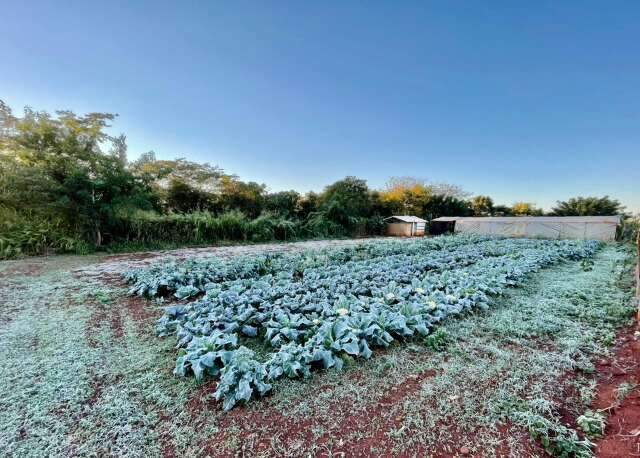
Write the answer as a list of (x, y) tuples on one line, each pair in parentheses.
[(86, 374)]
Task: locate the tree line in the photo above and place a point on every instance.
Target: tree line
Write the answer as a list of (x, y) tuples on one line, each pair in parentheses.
[(67, 185)]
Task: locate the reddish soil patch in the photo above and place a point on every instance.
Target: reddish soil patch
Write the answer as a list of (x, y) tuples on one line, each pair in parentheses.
[(622, 435), (351, 430), (23, 269), (140, 310), (93, 325), (101, 314), (115, 322), (133, 256), (377, 419)]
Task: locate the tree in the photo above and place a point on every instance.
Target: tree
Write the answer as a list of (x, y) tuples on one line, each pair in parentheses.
[(308, 204), (449, 190), (525, 209), (183, 198), (588, 206), (283, 203), (482, 206), (55, 165), (7, 123), (502, 210), (343, 207), (181, 185), (248, 197), (349, 197), (406, 196), (441, 205), (119, 148), (203, 177)]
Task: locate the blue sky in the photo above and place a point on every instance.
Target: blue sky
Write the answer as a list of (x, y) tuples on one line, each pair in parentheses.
[(533, 101)]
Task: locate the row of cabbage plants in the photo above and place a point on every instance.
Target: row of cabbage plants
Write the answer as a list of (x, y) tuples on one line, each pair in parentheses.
[(343, 308), (190, 278)]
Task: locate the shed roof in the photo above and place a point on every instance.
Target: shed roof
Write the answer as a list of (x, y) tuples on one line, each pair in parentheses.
[(407, 219), (537, 219)]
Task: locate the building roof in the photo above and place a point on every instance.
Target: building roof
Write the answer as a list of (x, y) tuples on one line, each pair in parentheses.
[(407, 219), (537, 219)]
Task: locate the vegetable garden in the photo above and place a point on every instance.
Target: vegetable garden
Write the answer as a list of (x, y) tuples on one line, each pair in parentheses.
[(253, 320)]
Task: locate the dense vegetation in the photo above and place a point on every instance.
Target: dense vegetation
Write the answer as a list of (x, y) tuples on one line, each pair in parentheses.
[(66, 185), (318, 309)]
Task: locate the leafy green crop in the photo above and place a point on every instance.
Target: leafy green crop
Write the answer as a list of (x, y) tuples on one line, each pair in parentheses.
[(241, 376), (315, 309)]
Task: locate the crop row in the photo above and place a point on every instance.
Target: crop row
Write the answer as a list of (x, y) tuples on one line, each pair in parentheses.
[(192, 277), (347, 308)]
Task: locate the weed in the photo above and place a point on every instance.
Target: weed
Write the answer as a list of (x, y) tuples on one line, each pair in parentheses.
[(592, 423), (439, 340)]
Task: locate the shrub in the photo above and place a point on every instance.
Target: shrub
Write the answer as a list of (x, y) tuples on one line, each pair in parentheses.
[(592, 423), (25, 234)]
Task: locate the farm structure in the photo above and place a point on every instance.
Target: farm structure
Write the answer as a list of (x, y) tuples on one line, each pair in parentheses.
[(551, 227), (405, 226)]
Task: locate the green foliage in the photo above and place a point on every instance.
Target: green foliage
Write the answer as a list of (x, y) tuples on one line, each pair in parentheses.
[(345, 199), (588, 206), (75, 181), (70, 188), (202, 227), (442, 205), (438, 340), (241, 376), (592, 423), (586, 264), (206, 355), (482, 206), (624, 389), (630, 228), (557, 439), (271, 226), (33, 235), (285, 204), (344, 207), (322, 308)]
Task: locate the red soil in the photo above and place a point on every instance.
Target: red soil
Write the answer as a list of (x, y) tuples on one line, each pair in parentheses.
[(622, 435), (357, 431)]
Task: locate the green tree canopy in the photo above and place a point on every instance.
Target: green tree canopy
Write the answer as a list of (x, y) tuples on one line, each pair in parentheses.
[(442, 205), (482, 206), (588, 206), (283, 203), (502, 210), (56, 164), (347, 198)]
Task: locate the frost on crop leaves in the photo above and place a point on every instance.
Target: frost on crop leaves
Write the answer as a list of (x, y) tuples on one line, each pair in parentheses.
[(313, 309)]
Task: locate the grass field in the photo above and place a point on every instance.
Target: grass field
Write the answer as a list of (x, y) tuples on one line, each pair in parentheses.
[(88, 376)]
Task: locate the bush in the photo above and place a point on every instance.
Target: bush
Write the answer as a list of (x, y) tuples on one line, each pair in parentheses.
[(269, 226), (630, 228), (26, 234), (149, 228)]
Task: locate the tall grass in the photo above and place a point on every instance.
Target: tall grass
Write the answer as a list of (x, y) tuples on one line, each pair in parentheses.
[(202, 227), (26, 234), (29, 234)]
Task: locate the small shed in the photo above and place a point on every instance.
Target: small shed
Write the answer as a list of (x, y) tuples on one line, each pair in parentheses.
[(549, 227), (405, 226)]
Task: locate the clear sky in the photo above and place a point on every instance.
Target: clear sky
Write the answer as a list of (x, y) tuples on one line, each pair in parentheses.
[(521, 100)]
